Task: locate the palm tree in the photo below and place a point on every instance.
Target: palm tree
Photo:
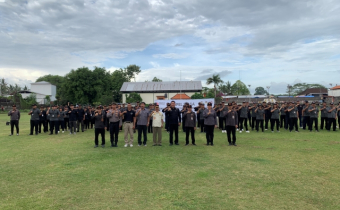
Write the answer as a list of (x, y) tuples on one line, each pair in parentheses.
[(216, 80)]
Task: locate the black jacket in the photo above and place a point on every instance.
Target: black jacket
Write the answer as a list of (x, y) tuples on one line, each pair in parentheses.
[(174, 116)]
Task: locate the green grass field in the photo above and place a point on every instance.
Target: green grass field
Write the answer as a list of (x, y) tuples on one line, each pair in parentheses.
[(266, 171)]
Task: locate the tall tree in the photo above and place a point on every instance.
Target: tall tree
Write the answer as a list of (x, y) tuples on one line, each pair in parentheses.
[(155, 79), (216, 80), (3, 87), (300, 87), (260, 91), (225, 88), (239, 88)]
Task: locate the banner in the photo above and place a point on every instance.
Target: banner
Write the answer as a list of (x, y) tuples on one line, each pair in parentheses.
[(180, 103)]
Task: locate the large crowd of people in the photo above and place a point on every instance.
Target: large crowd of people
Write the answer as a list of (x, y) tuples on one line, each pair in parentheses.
[(229, 118)]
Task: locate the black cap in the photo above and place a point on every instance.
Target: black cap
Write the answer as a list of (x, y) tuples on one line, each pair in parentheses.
[(189, 106), (230, 104), (14, 105), (114, 103), (243, 102), (137, 102), (293, 102), (313, 102), (332, 103), (209, 104), (306, 102), (34, 105), (222, 102)]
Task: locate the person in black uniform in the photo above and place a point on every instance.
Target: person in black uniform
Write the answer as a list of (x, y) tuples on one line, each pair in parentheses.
[(231, 118), (174, 119), (210, 122), (190, 125), (267, 109), (166, 117), (183, 111), (42, 119), (300, 107), (198, 116), (15, 117), (81, 118), (100, 126), (35, 113)]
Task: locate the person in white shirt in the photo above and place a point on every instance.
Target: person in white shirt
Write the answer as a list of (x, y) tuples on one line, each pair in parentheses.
[(157, 125)]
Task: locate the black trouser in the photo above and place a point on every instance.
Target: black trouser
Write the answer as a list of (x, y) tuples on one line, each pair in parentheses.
[(80, 123), (73, 126), (315, 121), (231, 131), (202, 126), (183, 124), (67, 123), (108, 123), (293, 122), (253, 122), (114, 129), (92, 123), (61, 125), (98, 131), (222, 123), (43, 123), (167, 126), (283, 121), (323, 122), (306, 122), (272, 123), (54, 125), (287, 121), (245, 123), (87, 123), (142, 129), (150, 127), (173, 127), (16, 124), (249, 120), (189, 130), (258, 124), (34, 126), (266, 121), (198, 121), (301, 120), (331, 121), (209, 129), (47, 125)]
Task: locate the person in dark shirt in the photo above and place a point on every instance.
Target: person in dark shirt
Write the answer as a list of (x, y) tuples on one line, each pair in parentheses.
[(42, 119), (81, 118), (174, 119), (275, 115), (300, 107), (73, 116), (87, 118), (91, 112), (231, 118), (15, 117), (166, 117), (34, 119), (190, 125), (100, 126), (128, 119)]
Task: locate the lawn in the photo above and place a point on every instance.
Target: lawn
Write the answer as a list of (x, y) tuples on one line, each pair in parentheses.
[(265, 171)]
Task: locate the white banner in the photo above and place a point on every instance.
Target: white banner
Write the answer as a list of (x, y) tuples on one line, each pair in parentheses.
[(180, 103)]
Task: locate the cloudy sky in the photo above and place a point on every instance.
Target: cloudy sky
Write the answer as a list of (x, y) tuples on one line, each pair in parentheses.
[(262, 42)]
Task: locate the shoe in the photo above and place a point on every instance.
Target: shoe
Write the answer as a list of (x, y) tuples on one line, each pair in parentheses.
[(126, 145), (159, 145), (265, 129), (139, 145), (211, 144), (75, 133), (235, 145), (70, 133), (144, 145), (186, 144), (240, 131), (171, 144), (50, 134), (154, 145), (247, 131), (236, 129), (131, 145), (56, 134), (176, 143), (230, 144), (272, 131), (103, 145), (17, 134), (62, 131), (58, 131), (112, 145), (95, 146), (194, 144)]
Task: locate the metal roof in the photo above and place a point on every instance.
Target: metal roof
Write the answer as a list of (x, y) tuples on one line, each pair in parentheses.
[(167, 87)]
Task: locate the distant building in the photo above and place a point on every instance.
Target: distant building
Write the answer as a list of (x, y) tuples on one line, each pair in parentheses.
[(316, 92), (334, 91), (41, 90), (151, 91)]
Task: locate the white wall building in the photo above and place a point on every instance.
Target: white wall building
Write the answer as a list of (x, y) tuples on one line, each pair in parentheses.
[(151, 91), (41, 90), (334, 91)]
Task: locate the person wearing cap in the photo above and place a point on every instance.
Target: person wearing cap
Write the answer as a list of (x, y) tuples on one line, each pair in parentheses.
[(142, 124), (15, 117), (128, 119), (260, 117), (166, 117), (54, 119), (243, 117), (201, 117), (283, 116), (66, 118), (73, 116), (324, 115), (174, 116), (189, 118), (61, 123), (157, 124), (300, 108), (99, 126), (275, 115), (222, 110), (114, 115), (332, 116), (42, 119), (34, 119), (293, 115), (253, 115), (151, 110), (87, 119), (81, 118), (314, 116), (183, 111), (210, 122), (198, 116), (267, 111), (306, 115), (231, 121)]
